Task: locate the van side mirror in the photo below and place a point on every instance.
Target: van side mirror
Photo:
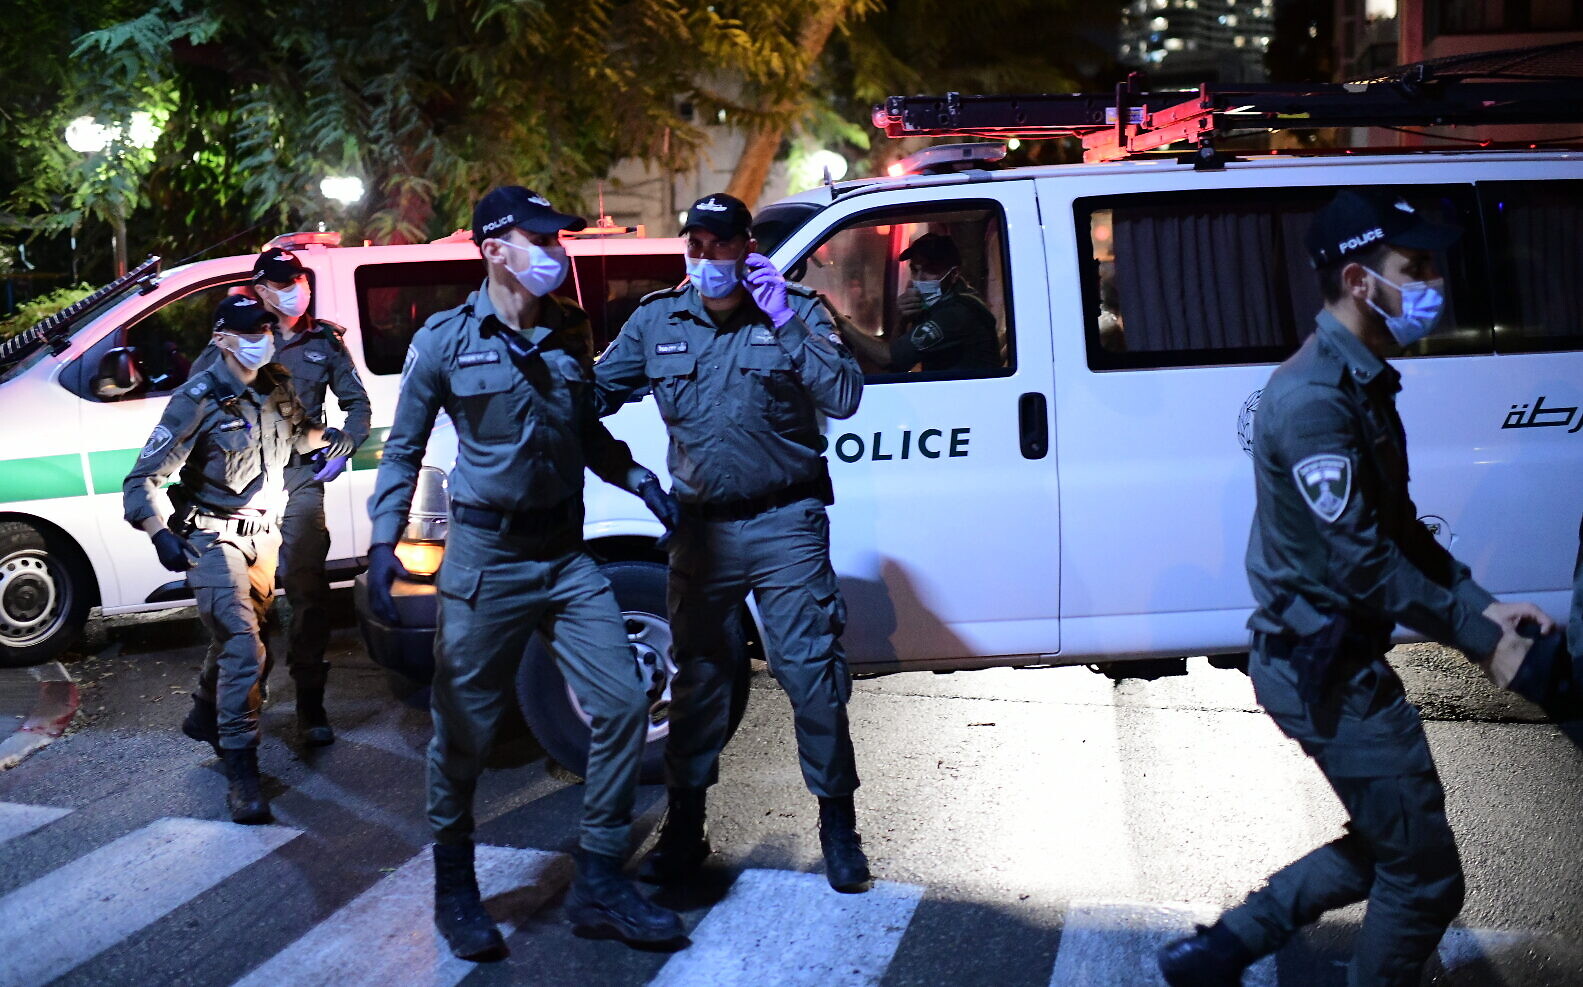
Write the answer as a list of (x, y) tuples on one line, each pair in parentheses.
[(118, 374)]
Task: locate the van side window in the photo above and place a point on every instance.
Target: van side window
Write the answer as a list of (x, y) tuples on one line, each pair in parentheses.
[(919, 295), (1538, 262), (1222, 277), (612, 285), (167, 340), (394, 300)]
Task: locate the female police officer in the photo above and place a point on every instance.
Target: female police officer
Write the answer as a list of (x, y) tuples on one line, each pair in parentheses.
[(230, 430)]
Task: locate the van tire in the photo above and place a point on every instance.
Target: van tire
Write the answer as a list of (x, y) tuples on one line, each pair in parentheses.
[(547, 704), (46, 590)]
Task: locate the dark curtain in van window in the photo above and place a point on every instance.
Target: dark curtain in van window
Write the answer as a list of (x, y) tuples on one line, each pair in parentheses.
[(1546, 235), (1191, 280)]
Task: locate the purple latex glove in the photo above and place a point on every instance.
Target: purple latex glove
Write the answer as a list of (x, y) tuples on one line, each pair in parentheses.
[(768, 288), (332, 468)]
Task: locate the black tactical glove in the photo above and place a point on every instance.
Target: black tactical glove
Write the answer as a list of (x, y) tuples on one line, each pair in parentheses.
[(172, 550), (337, 444), (660, 502), (383, 571)]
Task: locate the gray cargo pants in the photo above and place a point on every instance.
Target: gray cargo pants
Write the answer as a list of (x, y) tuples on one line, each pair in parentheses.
[(304, 545), (1398, 852), (493, 596), (782, 557), (233, 583)]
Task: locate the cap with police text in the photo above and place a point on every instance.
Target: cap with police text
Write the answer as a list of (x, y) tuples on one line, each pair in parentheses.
[(935, 251), (510, 206), (277, 265), (239, 313), (723, 215), (1356, 219)]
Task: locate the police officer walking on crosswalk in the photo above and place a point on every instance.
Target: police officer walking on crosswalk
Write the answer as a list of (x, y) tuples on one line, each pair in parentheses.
[(313, 352), (515, 562), (231, 431), (742, 364), (1338, 558)]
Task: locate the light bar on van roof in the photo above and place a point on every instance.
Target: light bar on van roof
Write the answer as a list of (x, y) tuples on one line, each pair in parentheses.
[(948, 157), (305, 238)]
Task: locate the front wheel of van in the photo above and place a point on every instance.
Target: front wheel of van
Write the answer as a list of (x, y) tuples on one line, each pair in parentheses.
[(45, 593), (558, 720)]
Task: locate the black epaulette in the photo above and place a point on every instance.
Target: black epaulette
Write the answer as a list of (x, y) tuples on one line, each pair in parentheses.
[(671, 292), (333, 331)]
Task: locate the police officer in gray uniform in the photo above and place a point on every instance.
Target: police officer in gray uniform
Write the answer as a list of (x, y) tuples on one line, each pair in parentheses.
[(515, 562), (230, 430), (313, 352), (946, 326), (742, 364), (1336, 559)]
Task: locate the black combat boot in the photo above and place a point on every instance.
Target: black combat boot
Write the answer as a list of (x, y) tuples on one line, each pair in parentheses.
[(1211, 957), (458, 911), (603, 904), (845, 866), (313, 725), (684, 839), (203, 724), (246, 797)]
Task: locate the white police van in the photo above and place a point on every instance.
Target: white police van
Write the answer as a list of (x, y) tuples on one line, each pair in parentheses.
[(69, 441), (1089, 499)]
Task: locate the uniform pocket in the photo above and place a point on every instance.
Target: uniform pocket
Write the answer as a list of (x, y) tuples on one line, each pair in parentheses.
[(827, 594), (487, 401), (675, 381), (776, 399), (458, 581)]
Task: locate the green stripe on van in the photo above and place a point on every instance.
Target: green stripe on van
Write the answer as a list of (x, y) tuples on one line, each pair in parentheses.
[(371, 451), (108, 469), (42, 478)]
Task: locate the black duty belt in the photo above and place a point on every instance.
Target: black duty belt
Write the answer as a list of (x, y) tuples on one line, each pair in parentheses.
[(559, 527), (243, 526), (751, 507)]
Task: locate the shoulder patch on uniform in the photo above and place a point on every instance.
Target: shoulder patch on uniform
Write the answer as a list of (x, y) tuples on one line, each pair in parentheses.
[(665, 349), (477, 358), (928, 335), (158, 442), (1325, 481)]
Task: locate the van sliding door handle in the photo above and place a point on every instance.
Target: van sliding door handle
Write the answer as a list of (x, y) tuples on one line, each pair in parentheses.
[(1033, 425)]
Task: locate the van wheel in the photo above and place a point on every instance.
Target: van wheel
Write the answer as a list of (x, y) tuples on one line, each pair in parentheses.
[(45, 593), (555, 716)]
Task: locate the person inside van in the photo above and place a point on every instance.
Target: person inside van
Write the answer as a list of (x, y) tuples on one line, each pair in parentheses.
[(944, 325)]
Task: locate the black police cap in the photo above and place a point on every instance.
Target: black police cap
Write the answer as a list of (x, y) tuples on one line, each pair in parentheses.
[(1357, 219), (239, 313), (935, 251), (512, 206), (723, 215), (278, 265)]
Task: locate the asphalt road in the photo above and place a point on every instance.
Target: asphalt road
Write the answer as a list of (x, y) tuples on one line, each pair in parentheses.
[(1030, 827)]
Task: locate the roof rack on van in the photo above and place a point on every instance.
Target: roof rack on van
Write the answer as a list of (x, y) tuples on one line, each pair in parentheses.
[(55, 331), (1526, 86)]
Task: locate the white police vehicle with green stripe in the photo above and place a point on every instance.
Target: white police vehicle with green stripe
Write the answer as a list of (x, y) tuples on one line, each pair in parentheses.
[(81, 393)]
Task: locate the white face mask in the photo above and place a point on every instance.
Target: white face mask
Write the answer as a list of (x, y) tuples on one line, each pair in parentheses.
[(1423, 302), (546, 268), (714, 278), (291, 302), (249, 351)]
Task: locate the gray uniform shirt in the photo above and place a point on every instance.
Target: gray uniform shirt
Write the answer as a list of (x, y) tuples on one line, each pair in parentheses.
[(1335, 531), (230, 441), (522, 444), (740, 400), (319, 362)]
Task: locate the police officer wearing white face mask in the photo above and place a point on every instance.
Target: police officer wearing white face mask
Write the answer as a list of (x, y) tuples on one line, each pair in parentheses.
[(313, 353), (230, 431), (944, 326), (1336, 559)]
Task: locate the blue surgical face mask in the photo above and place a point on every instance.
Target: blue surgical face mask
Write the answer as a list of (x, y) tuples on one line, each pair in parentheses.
[(929, 291), (1423, 303), (251, 352), (546, 268), (714, 278)]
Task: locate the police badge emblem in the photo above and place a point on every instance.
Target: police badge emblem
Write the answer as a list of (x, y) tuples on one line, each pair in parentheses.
[(1326, 483), (157, 441)]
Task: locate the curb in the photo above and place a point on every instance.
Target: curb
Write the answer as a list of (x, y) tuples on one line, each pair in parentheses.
[(52, 713)]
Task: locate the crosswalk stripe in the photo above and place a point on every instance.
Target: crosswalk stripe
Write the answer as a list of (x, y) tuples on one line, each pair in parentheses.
[(791, 929), (81, 909), (1113, 944), (17, 819), (386, 935)]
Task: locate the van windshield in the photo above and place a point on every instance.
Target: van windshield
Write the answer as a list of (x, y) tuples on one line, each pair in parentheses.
[(83, 321)]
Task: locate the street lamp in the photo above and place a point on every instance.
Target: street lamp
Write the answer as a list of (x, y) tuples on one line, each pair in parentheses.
[(85, 135), (345, 189)]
